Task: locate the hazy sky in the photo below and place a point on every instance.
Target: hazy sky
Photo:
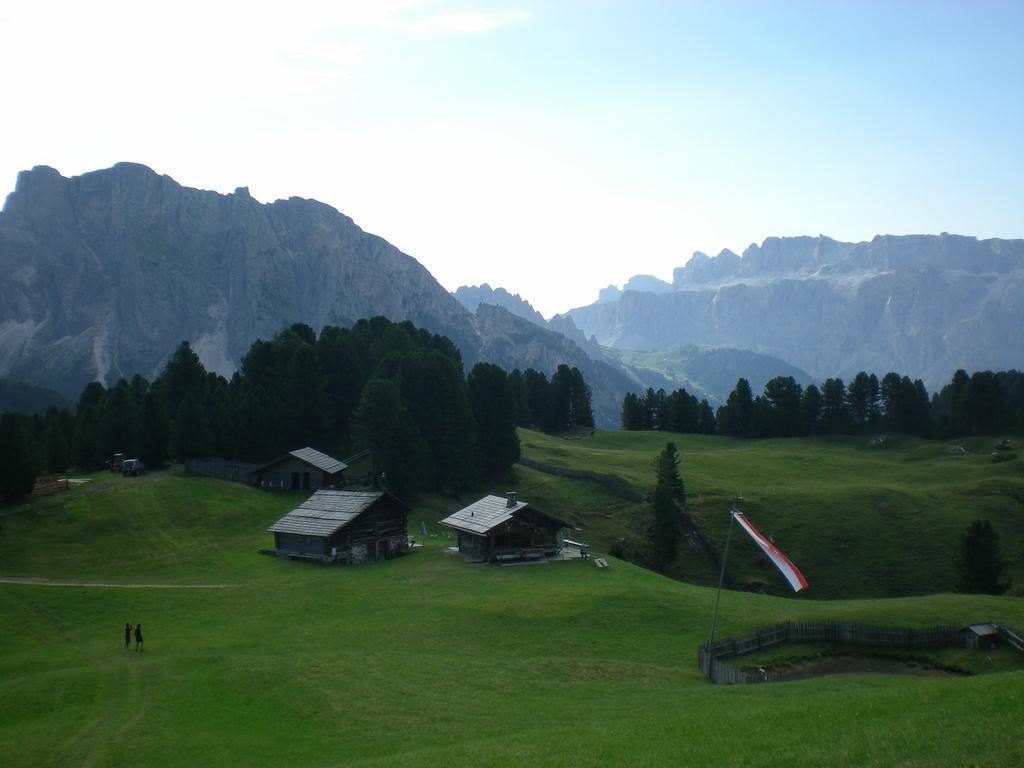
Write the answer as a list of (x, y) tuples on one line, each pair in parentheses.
[(547, 147)]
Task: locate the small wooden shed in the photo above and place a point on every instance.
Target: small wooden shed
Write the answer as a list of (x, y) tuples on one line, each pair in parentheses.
[(343, 527), (496, 528), (306, 469), (983, 636)]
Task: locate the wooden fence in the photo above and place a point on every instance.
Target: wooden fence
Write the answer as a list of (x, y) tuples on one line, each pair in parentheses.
[(616, 485), (1013, 636), (710, 655), (236, 471)]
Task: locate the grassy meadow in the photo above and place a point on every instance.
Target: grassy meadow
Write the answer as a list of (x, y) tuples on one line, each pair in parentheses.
[(859, 521), (426, 660)]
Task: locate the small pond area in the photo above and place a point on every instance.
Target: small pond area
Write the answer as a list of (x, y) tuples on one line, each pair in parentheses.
[(800, 661)]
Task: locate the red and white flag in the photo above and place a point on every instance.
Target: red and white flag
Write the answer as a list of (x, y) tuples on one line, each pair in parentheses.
[(786, 568)]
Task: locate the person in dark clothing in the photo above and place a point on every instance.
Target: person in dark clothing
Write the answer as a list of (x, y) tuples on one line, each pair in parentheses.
[(127, 635), (138, 637)]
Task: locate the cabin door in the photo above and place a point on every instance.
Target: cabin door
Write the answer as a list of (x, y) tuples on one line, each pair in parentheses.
[(382, 549), (295, 481)]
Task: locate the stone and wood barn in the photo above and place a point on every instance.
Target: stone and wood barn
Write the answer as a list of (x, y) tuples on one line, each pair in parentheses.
[(496, 528), (343, 527), (306, 469)]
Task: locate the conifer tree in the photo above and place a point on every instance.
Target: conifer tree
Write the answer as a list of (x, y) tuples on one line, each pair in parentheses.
[(190, 436), (981, 560), (17, 475), (397, 451), (154, 431), (490, 395), (667, 494)]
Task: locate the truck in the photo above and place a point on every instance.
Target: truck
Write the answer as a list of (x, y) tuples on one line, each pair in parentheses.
[(132, 467)]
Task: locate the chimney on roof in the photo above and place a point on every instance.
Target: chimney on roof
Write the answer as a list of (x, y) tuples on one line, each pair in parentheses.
[(511, 495)]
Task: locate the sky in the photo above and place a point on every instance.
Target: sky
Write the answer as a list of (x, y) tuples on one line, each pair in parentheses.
[(551, 148)]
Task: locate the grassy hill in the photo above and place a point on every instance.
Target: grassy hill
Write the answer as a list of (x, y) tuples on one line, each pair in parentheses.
[(706, 372), (859, 521), (424, 660)]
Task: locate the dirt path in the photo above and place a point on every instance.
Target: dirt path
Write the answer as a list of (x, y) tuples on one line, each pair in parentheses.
[(61, 583)]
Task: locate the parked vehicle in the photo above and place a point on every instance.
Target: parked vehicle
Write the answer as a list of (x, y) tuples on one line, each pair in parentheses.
[(132, 467)]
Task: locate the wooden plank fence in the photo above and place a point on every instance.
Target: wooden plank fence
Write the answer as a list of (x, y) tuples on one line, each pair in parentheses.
[(48, 488), (616, 485), (710, 656), (1013, 636)]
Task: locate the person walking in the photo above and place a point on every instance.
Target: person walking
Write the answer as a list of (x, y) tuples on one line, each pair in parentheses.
[(127, 635), (138, 637)]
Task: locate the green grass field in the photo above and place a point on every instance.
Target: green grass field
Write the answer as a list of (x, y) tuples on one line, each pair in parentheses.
[(425, 660), (858, 521)]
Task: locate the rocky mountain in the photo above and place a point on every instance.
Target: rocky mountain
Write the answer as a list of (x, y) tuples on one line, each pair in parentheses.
[(472, 296), (921, 305), (104, 274)]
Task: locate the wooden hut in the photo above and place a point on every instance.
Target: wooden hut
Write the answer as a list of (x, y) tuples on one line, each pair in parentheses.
[(496, 528), (306, 469), (983, 636), (343, 527)]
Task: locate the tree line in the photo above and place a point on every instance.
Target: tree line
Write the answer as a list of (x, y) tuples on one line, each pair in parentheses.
[(983, 403), (390, 387)]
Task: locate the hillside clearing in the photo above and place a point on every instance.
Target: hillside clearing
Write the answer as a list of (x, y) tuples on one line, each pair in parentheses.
[(425, 660)]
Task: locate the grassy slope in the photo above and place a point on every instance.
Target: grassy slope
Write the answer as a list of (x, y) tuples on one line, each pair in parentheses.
[(423, 660), (859, 521)]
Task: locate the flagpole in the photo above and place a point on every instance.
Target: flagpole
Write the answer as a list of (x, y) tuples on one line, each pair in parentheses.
[(721, 576)]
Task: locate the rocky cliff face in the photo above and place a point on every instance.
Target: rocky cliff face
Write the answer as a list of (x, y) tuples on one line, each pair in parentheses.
[(472, 296), (103, 275), (920, 305)]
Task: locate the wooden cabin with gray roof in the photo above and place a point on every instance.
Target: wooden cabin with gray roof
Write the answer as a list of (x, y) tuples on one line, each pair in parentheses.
[(496, 528), (343, 527), (306, 469)]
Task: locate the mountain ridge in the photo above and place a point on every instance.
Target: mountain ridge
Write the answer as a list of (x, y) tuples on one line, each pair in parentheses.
[(103, 275), (920, 305)]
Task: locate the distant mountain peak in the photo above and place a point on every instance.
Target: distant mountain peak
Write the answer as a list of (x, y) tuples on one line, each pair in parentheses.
[(472, 296), (919, 305)]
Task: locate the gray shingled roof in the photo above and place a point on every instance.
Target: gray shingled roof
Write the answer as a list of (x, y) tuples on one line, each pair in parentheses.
[(481, 516), (310, 456), (325, 512), (328, 464)]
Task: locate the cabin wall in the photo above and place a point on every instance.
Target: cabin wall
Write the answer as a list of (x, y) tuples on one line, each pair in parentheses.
[(473, 546), (295, 475), (380, 533), (296, 544)]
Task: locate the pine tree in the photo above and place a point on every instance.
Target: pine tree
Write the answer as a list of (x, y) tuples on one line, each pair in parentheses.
[(397, 451), (734, 418), (491, 398), (981, 560), (433, 392), (783, 395), (17, 475), (183, 375), (632, 412), (810, 411), (190, 436), (154, 431), (58, 441), (667, 494)]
